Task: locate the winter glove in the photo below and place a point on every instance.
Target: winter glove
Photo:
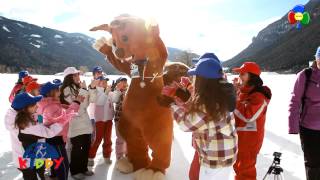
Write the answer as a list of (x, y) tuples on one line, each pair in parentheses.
[(171, 94), (169, 91), (231, 94), (167, 94)]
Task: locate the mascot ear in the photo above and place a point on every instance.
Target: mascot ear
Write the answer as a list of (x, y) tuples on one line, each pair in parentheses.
[(102, 27), (153, 28)]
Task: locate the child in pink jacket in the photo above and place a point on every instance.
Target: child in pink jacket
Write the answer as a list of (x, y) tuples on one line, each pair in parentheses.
[(53, 111)]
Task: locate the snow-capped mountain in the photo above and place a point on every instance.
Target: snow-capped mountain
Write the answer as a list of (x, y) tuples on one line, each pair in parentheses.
[(281, 47), (43, 50)]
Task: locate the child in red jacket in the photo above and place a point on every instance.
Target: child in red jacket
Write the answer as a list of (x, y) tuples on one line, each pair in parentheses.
[(18, 86), (250, 114), (33, 88)]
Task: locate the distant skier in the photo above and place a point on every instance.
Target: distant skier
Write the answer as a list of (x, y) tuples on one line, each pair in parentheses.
[(250, 114), (304, 113)]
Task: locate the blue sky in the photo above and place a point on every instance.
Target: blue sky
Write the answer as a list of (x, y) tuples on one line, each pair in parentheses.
[(221, 26), (251, 11)]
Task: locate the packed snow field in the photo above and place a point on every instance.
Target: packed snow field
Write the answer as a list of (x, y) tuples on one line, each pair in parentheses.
[(276, 137)]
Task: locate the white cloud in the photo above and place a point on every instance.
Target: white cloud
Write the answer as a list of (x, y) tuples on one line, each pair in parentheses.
[(225, 38), (185, 24)]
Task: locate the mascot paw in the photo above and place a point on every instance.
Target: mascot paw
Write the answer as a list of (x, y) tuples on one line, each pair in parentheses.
[(102, 46), (99, 43), (124, 166), (148, 174)]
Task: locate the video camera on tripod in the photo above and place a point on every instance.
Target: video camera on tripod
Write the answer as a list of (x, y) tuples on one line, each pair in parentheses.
[(277, 156), (275, 168)]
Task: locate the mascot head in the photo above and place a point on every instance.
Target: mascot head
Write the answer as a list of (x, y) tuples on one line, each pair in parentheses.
[(132, 37)]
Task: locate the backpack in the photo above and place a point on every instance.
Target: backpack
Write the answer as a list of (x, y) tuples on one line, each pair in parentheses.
[(308, 73)]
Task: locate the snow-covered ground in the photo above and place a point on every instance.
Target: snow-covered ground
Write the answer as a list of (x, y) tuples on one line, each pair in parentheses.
[(276, 139)]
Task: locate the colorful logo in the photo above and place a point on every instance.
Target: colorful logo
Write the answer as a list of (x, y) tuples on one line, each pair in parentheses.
[(298, 16), (38, 155)]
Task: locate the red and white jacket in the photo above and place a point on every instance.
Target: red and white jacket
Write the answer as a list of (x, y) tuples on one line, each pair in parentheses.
[(250, 116)]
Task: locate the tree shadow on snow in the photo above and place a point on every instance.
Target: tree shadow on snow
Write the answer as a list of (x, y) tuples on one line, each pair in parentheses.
[(7, 167), (284, 143), (178, 170)]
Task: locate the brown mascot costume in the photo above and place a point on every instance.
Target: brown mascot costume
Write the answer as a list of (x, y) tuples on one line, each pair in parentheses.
[(137, 50)]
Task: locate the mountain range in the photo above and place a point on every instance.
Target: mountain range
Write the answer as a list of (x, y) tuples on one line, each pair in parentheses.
[(281, 47), (44, 50)]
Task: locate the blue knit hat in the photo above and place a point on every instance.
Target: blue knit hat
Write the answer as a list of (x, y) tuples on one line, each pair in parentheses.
[(209, 55), (317, 55), (23, 74), (23, 100), (208, 66), (97, 69), (47, 87)]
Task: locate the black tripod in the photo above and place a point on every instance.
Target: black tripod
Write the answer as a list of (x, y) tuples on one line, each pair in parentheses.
[(275, 168)]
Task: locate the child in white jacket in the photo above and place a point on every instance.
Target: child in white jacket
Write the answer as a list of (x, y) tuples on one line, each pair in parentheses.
[(20, 122), (103, 115), (80, 128)]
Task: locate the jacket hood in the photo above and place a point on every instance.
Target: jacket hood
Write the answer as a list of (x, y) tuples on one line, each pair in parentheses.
[(265, 90), (11, 113), (45, 102)]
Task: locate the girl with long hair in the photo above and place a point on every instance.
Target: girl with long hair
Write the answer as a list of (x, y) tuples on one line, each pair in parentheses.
[(25, 130), (207, 115), (80, 129)]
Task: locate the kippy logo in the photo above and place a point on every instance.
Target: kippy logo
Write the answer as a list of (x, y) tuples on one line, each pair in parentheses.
[(299, 16), (38, 155)]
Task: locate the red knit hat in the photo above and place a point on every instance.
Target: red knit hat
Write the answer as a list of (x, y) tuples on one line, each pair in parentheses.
[(28, 79), (32, 86), (249, 67)]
